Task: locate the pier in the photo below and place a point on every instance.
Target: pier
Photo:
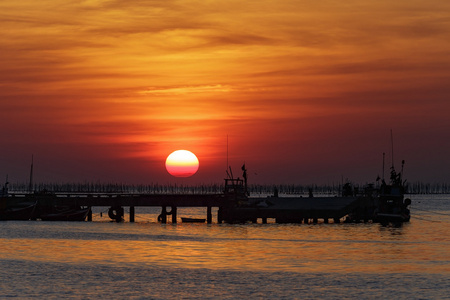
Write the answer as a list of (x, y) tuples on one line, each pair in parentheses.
[(116, 202), (300, 210), (230, 210), (234, 206)]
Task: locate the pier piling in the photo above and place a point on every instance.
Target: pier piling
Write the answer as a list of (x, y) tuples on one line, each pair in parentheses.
[(89, 216), (163, 216), (132, 212), (208, 215), (174, 214)]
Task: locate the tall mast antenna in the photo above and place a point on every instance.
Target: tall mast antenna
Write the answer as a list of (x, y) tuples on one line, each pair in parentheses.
[(30, 188), (392, 144), (227, 154)]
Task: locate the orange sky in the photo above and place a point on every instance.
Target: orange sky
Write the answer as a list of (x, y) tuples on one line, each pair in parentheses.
[(307, 91)]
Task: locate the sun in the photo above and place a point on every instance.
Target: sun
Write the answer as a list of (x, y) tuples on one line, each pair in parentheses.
[(182, 163)]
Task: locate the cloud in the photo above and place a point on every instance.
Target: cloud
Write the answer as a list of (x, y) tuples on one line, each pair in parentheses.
[(182, 90), (157, 74)]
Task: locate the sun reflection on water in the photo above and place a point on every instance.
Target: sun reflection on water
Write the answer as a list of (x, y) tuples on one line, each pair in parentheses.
[(271, 247)]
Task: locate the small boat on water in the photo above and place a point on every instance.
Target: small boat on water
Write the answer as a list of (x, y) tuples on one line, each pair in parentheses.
[(385, 218), (391, 205), (12, 208), (66, 214), (193, 220), (22, 212)]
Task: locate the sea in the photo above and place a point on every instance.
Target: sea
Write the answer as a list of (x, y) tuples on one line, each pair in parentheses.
[(149, 260)]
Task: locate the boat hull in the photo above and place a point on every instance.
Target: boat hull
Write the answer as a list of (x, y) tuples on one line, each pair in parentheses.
[(391, 218), (193, 220), (69, 215), (17, 213)]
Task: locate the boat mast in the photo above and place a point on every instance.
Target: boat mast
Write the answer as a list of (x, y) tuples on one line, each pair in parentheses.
[(30, 188), (227, 156), (5, 187), (392, 144)]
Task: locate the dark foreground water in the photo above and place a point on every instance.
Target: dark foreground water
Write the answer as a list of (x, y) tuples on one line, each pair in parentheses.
[(147, 260)]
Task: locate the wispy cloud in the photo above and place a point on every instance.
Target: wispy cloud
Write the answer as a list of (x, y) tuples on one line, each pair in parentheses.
[(153, 74), (218, 88)]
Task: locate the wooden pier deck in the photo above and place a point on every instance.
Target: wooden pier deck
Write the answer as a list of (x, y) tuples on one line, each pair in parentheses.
[(116, 202), (295, 209), (231, 209)]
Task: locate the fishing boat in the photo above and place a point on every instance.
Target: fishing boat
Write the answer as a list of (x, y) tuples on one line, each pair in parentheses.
[(19, 212), (193, 220), (12, 208), (66, 214), (391, 206)]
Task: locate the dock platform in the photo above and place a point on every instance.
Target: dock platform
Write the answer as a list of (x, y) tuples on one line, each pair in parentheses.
[(295, 209), (234, 205)]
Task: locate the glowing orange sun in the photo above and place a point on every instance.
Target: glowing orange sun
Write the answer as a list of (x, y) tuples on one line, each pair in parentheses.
[(182, 163)]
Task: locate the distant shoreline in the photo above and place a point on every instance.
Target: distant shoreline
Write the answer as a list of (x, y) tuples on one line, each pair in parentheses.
[(157, 188)]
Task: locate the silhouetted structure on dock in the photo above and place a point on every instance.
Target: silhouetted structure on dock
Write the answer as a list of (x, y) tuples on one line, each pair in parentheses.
[(234, 204)]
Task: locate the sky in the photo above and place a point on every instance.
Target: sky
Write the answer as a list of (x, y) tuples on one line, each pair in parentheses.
[(299, 91)]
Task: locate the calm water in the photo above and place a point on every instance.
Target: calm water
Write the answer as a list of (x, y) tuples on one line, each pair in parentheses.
[(147, 260)]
